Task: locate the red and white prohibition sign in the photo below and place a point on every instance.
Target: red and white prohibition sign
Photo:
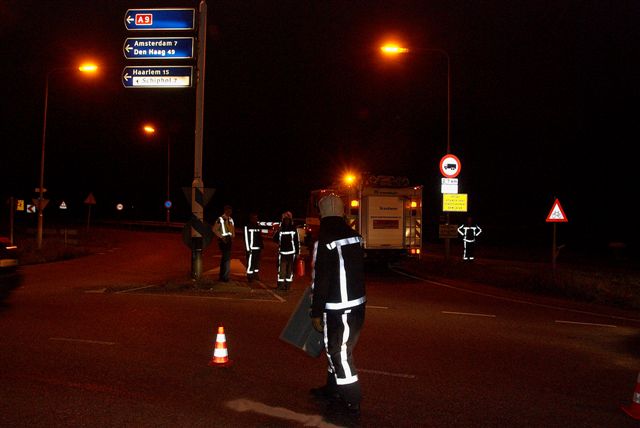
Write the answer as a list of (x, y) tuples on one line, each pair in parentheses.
[(450, 166)]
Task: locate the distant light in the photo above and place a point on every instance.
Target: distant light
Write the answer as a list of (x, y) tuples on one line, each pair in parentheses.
[(149, 129), (88, 68), (393, 49), (414, 204), (355, 203), (349, 178)]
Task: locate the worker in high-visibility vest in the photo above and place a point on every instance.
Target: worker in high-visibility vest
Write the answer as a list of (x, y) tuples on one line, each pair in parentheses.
[(469, 232), (253, 245), (288, 250), (224, 230)]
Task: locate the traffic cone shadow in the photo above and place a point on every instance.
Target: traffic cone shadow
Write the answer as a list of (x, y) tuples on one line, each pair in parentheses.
[(220, 354), (633, 409)]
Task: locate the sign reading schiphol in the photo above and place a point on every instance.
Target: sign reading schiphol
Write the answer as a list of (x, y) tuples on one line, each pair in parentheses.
[(160, 19), (454, 202), (170, 76), (158, 48)]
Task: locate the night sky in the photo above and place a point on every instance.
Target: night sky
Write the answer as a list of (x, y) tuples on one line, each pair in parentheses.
[(544, 104)]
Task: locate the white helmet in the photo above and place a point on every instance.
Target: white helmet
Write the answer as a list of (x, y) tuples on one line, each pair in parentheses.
[(331, 206)]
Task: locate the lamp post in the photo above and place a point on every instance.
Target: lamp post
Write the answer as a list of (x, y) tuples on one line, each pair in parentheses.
[(151, 130), (392, 50), (84, 68)]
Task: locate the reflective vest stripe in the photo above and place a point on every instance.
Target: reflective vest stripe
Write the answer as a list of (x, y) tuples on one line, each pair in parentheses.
[(345, 305), (224, 229), (249, 235), (346, 241)]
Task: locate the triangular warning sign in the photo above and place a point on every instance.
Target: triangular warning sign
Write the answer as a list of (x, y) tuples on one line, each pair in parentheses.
[(63, 205), (91, 200), (557, 215)]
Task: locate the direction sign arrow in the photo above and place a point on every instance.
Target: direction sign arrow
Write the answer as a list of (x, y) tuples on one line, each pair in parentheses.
[(158, 48), (170, 76), (160, 19)]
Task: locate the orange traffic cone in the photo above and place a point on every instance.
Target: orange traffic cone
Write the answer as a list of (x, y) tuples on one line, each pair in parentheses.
[(300, 267), (220, 355), (633, 409)]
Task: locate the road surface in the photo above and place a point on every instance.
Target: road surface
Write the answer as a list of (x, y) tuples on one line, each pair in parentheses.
[(115, 339)]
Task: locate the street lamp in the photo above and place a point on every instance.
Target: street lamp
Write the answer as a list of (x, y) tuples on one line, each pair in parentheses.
[(394, 49), (151, 130), (83, 68)]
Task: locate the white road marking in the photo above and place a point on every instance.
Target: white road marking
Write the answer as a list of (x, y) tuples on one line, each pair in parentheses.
[(507, 299), (93, 342), (100, 290), (244, 405), (469, 314), (271, 292), (408, 376), (135, 289), (586, 323)]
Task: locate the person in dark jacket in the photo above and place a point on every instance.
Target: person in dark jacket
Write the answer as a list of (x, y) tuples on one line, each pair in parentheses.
[(338, 305), (253, 245), (288, 250)]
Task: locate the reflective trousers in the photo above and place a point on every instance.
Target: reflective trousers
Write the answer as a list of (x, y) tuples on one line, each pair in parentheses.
[(285, 269), (341, 333), (253, 263)]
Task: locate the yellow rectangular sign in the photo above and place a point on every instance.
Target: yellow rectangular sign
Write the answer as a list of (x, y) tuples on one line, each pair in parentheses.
[(454, 202)]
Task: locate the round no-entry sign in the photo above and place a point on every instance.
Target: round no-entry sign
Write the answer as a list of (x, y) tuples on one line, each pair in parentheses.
[(450, 166)]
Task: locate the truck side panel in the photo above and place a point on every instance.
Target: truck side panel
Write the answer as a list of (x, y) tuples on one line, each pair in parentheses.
[(382, 222)]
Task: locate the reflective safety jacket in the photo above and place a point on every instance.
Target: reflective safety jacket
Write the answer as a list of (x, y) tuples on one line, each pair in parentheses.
[(224, 227), (469, 233), (338, 268), (252, 237), (287, 239)]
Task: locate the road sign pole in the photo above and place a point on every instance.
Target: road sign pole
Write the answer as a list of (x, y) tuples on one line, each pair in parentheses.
[(197, 186)]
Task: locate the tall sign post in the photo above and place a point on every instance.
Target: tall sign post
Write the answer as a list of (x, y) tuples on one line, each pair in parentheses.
[(449, 168), (555, 216), (197, 186), (174, 76)]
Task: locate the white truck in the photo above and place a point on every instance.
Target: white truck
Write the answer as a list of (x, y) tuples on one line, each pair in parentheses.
[(385, 210)]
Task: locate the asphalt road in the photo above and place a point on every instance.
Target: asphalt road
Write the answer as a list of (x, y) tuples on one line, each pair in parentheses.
[(115, 339)]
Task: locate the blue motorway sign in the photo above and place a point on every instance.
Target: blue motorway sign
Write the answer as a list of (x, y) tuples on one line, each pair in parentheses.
[(158, 48), (149, 76), (160, 19)]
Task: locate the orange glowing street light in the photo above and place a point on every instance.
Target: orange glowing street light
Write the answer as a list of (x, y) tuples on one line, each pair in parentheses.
[(149, 129), (88, 67), (393, 49), (84, 68)]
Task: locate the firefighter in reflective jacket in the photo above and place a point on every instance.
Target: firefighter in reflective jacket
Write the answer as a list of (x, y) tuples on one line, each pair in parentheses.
[(253, 245), (288, 250), (469, 234), (338, 305)]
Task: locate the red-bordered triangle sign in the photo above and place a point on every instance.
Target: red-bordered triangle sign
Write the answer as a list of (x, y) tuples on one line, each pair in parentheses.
[(557, 215)]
